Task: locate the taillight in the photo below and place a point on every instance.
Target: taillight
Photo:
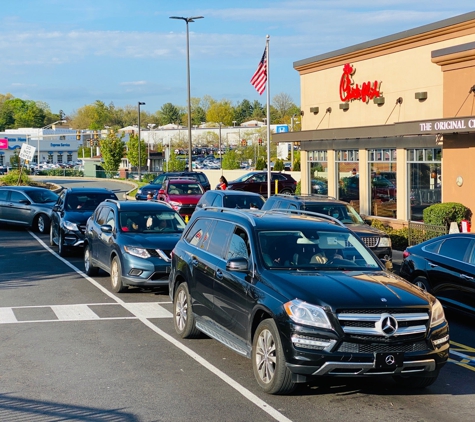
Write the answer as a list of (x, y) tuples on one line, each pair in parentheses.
[(405, 254)]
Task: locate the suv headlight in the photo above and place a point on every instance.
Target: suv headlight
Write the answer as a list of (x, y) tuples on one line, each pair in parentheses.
[(139, 252), (385, 242), (307, 314), (437, 315), (70, 226)]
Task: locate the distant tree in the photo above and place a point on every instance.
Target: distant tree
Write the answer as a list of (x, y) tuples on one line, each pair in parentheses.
[(174, 163), (170, 114), (16, 113), (221, 111), (283, 104), (133, 151), (112, 151), (231, 161), (243, 112)]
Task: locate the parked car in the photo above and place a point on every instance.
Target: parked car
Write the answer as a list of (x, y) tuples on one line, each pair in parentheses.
[(377, 240), (157, 183), (181, 194), (256, 181), (132, 241), (302, 297), (445, 267), (27, 206), (231, 199), (70, 213)]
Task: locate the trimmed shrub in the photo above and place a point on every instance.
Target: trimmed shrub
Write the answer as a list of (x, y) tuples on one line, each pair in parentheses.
[(443, 214), (279, 165), (298, 188), (399, 237)]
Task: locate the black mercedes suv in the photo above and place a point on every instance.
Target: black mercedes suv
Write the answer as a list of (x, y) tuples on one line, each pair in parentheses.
[(377, 240), (302, 296)]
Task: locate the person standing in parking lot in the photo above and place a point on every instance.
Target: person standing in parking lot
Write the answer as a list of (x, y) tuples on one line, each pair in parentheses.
[(223, 183)]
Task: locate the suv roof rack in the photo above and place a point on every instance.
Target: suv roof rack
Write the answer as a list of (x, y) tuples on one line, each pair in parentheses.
[(243, 213), (117, 202), (306, 195), (310, 213)]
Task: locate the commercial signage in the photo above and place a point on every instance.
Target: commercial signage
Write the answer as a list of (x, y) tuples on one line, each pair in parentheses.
[(281, 128), (350, 91), (27, 152), (449, 125), (3, 143)]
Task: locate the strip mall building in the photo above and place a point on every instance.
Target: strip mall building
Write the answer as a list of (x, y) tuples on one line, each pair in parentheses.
[(389, 125)]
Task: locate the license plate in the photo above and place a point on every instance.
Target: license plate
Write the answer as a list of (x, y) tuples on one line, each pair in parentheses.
[(389, 360)]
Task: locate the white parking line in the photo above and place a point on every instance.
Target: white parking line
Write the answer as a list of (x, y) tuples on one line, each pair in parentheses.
[(228, 380)]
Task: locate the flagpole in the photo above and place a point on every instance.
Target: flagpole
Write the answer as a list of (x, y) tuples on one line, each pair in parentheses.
[(268, 120)]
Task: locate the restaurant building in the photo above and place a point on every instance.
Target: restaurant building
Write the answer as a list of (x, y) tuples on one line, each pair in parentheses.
[(389, 124)]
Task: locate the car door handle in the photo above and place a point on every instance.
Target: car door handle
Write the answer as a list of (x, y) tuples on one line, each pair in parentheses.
[(466, 277), (219, 274), (433, 265), (194, 262)]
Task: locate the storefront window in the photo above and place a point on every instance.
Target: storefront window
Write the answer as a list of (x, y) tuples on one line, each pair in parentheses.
[(60, 159), (425, 179), (318, 172), (382, 171), (1, 160), (70, 158), (347, 164), (50, 158)]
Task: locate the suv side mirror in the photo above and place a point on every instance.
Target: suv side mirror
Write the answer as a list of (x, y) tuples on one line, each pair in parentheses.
[(237, 264)]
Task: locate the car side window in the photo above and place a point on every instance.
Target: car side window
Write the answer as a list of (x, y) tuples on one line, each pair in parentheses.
[(207, 199), (218, 201), (199, 232), (3, 195), (292, 207), (455, 248), (110, 219), (101, 215), (17, 196), (218, 241), (239, 245)]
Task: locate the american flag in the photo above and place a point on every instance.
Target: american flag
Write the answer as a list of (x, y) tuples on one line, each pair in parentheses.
[(259, 78)]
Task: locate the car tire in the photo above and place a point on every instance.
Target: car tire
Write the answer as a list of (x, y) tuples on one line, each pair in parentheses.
[(414, 382), (422, 283), (268, 362), (88, 267), (42, 223), (51, 236), (117, 285), (62, 249), (183, 318), (286, 192)]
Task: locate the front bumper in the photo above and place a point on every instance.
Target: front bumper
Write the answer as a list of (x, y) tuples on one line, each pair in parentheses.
[(149, 272), (351, 357)]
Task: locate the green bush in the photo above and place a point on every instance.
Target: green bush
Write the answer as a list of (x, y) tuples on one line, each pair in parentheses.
[(279, 165), (11, 178), (443, 214), (298, 188), (261, 164), (399, 237)]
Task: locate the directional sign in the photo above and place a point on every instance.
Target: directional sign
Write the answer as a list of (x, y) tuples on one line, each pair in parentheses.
[(27, 152), (282, 128)]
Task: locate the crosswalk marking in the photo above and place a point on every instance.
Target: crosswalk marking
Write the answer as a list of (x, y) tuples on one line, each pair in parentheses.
[(83, 312), (7, 315), (73, 312)]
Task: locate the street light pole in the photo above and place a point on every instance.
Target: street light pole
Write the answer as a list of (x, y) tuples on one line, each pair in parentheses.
[(140, 164), (190, 145), (219, 150)]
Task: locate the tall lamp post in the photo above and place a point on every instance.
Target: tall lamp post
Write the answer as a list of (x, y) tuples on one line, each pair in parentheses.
[(139, 104), (190, 146), (46, 127), (219, 149)]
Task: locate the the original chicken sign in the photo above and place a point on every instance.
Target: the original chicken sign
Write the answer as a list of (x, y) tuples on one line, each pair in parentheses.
[(350, 91)]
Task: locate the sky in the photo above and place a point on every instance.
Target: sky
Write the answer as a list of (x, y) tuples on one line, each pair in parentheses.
[(69, 54)]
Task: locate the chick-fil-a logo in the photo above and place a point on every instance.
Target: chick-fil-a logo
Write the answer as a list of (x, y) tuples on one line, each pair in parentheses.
[(350, 91)]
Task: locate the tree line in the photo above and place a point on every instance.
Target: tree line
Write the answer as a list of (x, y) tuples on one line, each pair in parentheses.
[(16, 113)]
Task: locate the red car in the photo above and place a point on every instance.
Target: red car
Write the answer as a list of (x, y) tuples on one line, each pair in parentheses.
[(181, 194)]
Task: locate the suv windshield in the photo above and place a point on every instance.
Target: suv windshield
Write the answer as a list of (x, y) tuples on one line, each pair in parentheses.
[(151, 222), (86, 201), (345, 213), (314, 250)]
